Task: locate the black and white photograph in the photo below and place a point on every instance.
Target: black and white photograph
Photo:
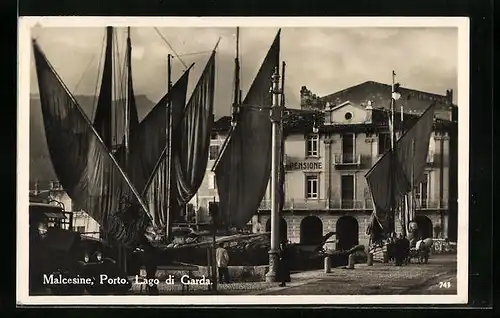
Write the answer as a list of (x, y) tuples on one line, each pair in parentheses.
[(174, 161)]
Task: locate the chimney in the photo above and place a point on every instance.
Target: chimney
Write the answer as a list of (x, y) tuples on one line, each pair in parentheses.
[(328, 113), (369, 111), (305, 96), (369, 105), (449, 96)]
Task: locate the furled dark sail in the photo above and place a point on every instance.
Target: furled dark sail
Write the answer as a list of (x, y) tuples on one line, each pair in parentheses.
[(132, 107), (390, 178), (84, 166), (379, 181), (158, 187), (148, 140), (244, 166), (414, 144), (190, 152), (103, 115)]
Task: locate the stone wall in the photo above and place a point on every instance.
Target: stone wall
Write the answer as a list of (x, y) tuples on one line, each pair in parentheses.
[(330, 219)]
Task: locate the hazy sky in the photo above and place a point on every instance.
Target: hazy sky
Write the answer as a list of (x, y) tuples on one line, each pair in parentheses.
[(325, 60)]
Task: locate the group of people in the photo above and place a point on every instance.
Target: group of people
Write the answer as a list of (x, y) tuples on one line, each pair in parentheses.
[(399, 248), (282, 273)]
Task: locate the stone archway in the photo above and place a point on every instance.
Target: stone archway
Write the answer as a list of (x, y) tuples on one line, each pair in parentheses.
[(425, 229), (283, 229), (347, 229), (311, 230)]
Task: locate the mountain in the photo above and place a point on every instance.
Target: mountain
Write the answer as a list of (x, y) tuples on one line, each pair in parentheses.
[(40, 165)]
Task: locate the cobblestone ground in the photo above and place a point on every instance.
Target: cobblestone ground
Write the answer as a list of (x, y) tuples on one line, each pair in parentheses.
[(379, 279), (236, 288)]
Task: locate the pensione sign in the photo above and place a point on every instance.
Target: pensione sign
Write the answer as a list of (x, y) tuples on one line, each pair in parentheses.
[(305, 165)]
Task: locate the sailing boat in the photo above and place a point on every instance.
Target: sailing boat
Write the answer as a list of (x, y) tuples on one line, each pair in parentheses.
[(110, 187), (397, 172), (151, 142), (181, 167), (84, 165), (243, 167), (143, 142)]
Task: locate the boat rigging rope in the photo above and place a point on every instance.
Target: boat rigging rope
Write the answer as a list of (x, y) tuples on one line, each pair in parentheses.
[(83, 74), (171, 48), (196, 53)]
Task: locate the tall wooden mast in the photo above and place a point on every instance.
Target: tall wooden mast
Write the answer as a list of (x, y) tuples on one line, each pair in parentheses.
[(168, 133), (237, 91), (128, 99)]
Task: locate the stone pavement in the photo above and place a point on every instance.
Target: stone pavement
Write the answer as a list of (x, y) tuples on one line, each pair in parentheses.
[(363, 280), (380, 279)]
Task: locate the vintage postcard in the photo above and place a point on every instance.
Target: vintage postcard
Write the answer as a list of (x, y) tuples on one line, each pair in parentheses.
[(225, 161)]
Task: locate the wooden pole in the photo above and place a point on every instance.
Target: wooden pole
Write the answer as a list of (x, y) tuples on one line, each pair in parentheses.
[(392, 218), (214, 256), (209, 264), (237, 91), (168, 133), (123, 249)]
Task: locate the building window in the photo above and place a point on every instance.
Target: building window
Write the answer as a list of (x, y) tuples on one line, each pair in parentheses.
[(348, 148), (80, 229), (432, 149), (347, 188), (211, 181), (213, 152), (312, 187), (312, 143), (384, 143), (422, 192)]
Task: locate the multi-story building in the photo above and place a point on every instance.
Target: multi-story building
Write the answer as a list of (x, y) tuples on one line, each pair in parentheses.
[(327, 157), (53, 193)]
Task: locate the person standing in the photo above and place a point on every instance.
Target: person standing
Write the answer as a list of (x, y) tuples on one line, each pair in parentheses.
[(399, 250), (222, 258), (283, 271)]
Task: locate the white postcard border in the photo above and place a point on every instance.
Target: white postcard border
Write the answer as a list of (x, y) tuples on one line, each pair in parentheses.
[(24, 62)]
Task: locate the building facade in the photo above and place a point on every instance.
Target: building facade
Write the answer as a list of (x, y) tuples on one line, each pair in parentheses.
[(52, 193), (327, 157)]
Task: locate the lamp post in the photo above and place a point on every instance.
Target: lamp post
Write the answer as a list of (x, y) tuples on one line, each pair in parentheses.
[(276, 119)]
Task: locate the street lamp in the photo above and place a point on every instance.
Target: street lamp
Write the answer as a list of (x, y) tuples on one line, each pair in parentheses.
[(277, 116), (396, 94), (277, 120)]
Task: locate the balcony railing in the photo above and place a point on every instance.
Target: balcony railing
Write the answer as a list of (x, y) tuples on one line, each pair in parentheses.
[(430, 157), (322, 204), (342, 159), (431, 204)]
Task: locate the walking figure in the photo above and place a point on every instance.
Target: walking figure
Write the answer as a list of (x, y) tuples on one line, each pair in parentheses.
[(283, 271), (222, 258)]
